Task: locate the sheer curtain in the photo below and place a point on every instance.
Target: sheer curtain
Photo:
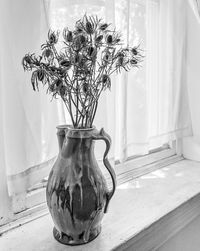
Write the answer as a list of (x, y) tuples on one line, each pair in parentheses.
[(146, 107), (28, 118), (155, 97), (195, 5), (149, 106)]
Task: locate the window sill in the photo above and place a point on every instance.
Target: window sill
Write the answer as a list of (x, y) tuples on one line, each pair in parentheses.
[(144, 213)]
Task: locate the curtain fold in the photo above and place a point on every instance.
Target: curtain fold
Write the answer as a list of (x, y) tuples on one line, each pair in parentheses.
[(153, 101), (29, 118), (174, 113), (195, 5)]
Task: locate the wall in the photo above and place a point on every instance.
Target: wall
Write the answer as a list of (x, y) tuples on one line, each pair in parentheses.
[(186, 240), (191, 145)]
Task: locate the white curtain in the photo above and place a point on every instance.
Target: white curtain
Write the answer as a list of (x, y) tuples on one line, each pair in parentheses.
[(173, 103), (195, 5), (155, 97), (28, 118), (146, 107), (149, 106)]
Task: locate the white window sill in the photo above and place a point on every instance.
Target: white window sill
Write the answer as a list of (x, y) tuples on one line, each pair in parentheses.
[(143, 214)]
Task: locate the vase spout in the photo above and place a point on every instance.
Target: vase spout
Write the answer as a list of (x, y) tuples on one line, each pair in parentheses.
[(61, 132)]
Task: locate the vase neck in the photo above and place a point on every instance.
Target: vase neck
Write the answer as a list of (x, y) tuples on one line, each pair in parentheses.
[(67, 132), (80, 133)]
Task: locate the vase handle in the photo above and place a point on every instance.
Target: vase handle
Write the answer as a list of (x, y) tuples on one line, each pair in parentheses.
[(102, 135)]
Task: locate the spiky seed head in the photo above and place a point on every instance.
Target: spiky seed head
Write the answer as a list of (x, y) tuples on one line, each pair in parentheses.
[(120, 60), (77, 58), (103, 27), (105, 78), (47, 53), (40, 74), (77, 42), (58, 82), (53, 38), (82, 39), (53, 68), (133, 62), (65, 63), (134, 51), (88, 27), (63, 71), (99, 38), (27, 59), (52, 87), (109, 39), (69, 37), (85, 87), (78, 28), (62, 90)]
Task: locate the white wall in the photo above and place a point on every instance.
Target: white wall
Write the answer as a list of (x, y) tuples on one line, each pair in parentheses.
[(191, 145)]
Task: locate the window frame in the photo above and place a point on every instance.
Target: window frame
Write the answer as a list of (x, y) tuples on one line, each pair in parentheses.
[(32, 205), (133, 168)]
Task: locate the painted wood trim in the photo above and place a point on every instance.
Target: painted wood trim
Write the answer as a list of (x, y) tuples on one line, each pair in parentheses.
[(140, 171), (25, 217), (35, 201), (155, 235), (131, 169)]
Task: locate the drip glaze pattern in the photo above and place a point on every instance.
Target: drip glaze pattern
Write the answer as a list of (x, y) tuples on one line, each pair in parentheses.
[(77, 193)]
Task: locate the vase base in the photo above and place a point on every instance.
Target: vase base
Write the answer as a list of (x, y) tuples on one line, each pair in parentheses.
[(68, 240)]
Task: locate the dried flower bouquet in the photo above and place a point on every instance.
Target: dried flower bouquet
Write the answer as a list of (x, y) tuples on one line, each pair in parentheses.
[(81, 70)]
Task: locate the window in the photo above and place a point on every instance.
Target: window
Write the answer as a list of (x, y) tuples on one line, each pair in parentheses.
[(143, 111), (131, 94)]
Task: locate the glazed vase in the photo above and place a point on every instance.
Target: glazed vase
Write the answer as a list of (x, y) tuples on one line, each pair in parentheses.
[(77, 193)]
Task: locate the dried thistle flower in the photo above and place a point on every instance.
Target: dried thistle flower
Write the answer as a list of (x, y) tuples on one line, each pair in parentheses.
[(133, 61), (109, 39), (99, 39), (88, 27), (62, 90), (47, 53), (40, 74), (52, 37), (134, 51), (58, 82), (65, 63), (103, 27), (68, 35)]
